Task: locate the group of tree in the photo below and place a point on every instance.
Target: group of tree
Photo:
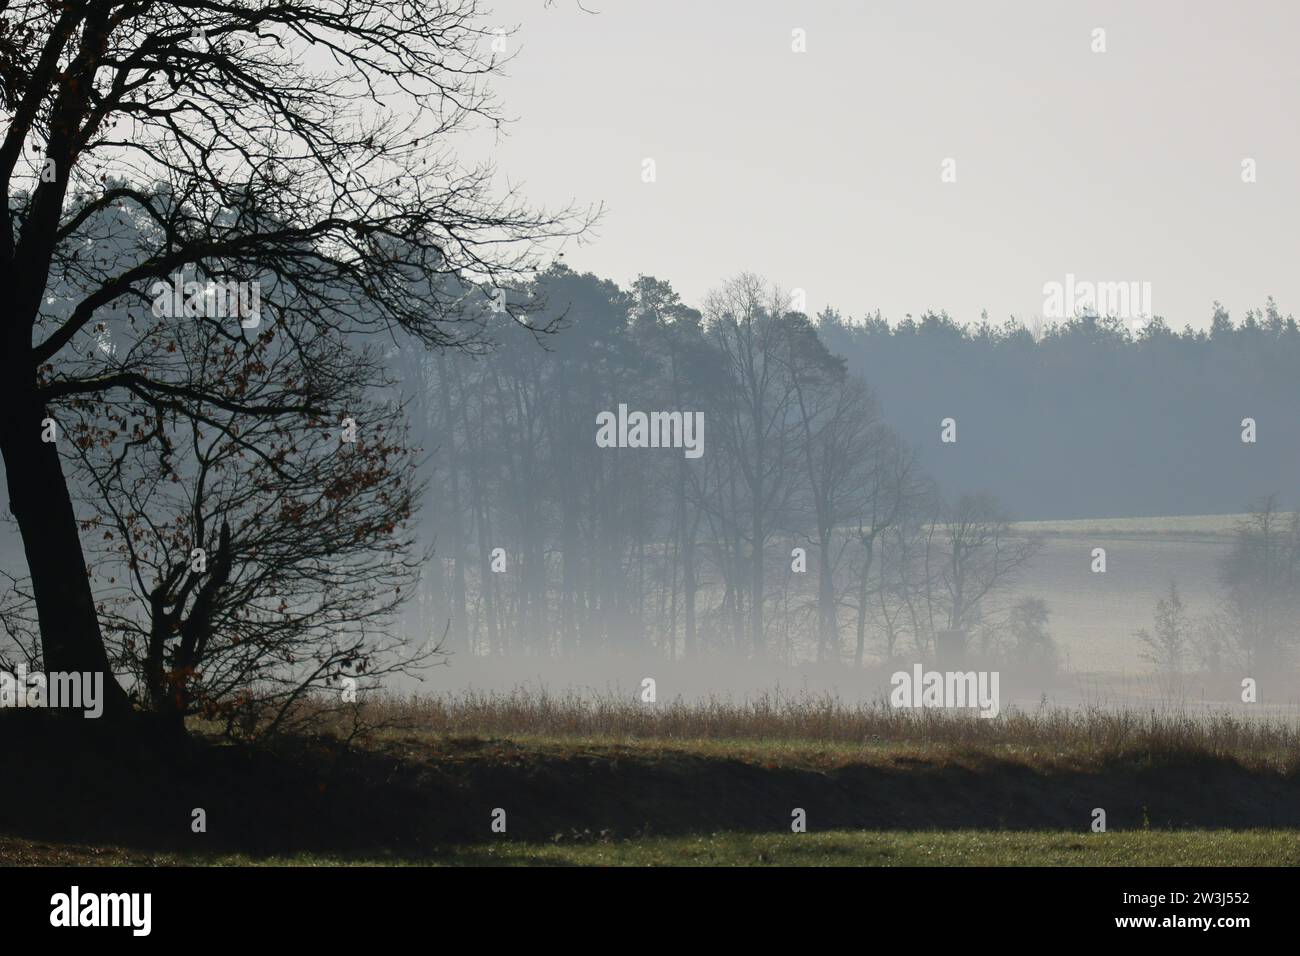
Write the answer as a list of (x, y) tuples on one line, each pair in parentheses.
[(1251, 630), (804, 531), (1092, 416)]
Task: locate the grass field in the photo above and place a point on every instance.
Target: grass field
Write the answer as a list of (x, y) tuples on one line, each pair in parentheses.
[(774, 722), (838, 848), (612, 782), (1094, 617)]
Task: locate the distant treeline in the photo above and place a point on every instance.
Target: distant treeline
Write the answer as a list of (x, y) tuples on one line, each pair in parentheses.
[(1094, 416), (825, 517)]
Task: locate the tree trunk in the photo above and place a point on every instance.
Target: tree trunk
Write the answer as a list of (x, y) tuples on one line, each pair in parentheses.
[(689, 585), (459, 604), (756, 582), (828, 632), (39, 500), (867, 544)]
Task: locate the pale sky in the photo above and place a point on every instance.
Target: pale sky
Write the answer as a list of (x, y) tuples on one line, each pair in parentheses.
[(821, 170)]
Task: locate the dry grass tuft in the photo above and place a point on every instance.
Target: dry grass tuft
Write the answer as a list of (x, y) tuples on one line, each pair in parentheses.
[(786, 722)]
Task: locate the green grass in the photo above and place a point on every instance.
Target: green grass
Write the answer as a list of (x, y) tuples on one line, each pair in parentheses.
[(960, 848), (609, 782), (842, 848)]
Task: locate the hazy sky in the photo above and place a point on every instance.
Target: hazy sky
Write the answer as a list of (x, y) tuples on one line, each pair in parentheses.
[(821, 170)]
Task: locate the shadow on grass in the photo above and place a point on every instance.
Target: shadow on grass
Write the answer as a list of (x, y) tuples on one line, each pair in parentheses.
[(89, 782)]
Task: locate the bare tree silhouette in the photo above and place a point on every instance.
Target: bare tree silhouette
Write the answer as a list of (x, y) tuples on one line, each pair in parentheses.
[(301, 146)]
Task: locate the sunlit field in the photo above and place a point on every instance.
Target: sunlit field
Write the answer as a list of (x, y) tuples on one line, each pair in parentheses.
[(837, 848)]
